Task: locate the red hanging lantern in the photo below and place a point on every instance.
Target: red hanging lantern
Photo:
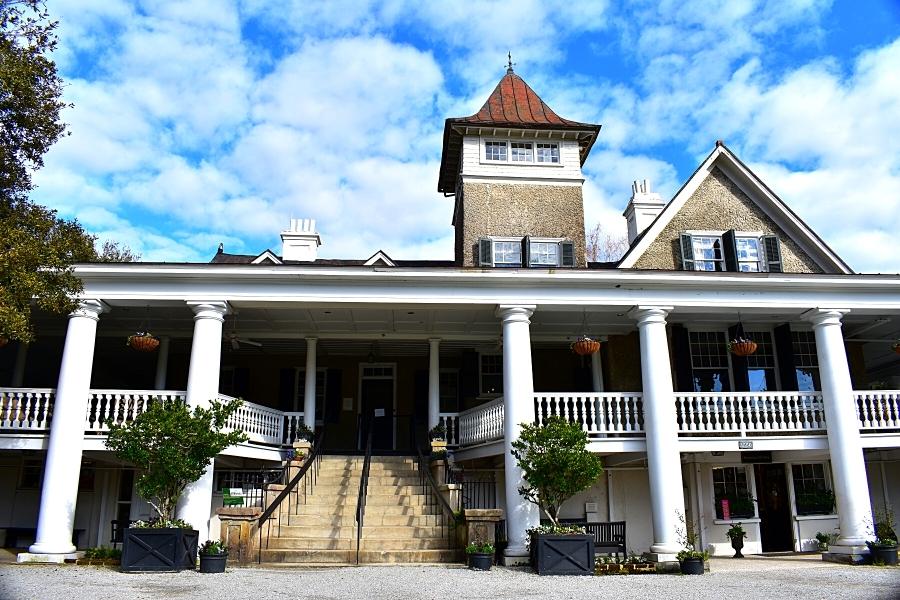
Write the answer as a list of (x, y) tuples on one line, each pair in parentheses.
[(585, 346)]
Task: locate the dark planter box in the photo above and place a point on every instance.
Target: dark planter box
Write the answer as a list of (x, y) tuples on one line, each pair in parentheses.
[(562, 554), (149, 549), (884, 554), (480, 561), (213, 563), (692, 566)]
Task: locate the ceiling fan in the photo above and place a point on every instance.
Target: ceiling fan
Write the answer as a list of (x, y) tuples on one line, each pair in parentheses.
[(235, 340)]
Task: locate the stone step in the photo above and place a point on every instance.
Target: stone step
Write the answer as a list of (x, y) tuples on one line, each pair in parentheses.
[(405, 544), (298, 556), (371, 490), (292, 543), (386, 478), (409, 556), (357, 473), (371, 509), (371, 519)]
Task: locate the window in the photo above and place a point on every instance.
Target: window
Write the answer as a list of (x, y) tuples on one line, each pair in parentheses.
[(806, 361), (730, 483), (544, 254), (31, 475), (709, 361), (811, 490), (761, 364), (491, 374), (507, 254), (495, 151), (730, 251), (548, 153), (522, 152)]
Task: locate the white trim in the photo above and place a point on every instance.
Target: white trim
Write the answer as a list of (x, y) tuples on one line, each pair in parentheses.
[(264, 256), (756, 190), (381, 257)]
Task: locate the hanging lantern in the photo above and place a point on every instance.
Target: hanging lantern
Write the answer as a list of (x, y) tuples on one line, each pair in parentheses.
[(742, 346), (585, 346), (143, 341)]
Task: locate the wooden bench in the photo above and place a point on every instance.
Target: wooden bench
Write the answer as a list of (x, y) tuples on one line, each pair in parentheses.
[(609, 538)]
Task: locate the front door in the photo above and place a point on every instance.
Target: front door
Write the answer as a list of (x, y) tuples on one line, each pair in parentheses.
[(377, 407), (774, 509)]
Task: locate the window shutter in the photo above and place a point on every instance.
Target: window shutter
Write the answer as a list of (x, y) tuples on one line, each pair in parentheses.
[(486, 252), (687, 252), (526, 251), (681, 359), (729, 251), (241, 382), (286, 382), (772, 247), (784, 352), (739, 364), (567, 254), (333, 395)]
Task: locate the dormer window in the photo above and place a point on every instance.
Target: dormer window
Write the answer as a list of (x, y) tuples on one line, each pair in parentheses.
[(525, 252), (730, 250), (521, 152)]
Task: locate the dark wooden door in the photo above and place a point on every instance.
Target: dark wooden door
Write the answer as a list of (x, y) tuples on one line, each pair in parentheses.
[(776, 533), (378, 412)]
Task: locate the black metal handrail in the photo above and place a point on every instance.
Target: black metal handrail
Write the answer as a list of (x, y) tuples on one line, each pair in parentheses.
[(363, 488), (314, 460), (428, 483)]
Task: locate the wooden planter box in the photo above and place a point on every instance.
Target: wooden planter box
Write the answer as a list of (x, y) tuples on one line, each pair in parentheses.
[(640, 568), (610, 569), (562, 554), (149, 549)]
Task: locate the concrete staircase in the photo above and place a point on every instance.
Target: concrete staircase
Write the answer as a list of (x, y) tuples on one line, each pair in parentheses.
[(402, 525)]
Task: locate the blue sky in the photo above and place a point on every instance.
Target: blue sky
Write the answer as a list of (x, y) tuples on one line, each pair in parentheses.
[(214, 121)]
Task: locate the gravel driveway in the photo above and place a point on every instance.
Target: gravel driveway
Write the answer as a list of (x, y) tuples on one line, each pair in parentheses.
[(763, 578)]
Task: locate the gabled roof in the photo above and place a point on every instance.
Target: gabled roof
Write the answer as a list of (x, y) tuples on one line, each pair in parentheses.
[(379, 259), (747, 181), (512, 105), (267, 256)]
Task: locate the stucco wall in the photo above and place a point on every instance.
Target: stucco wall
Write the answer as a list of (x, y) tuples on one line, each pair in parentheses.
[(718, 204), (506, 209)]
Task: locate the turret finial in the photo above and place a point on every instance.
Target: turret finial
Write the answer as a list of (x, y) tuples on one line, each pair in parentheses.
[(510, 63)]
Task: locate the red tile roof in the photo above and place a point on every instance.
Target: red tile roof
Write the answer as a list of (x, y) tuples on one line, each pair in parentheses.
[(514, 105)]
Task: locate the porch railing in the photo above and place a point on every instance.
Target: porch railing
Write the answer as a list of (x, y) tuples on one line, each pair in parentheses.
[(450, 421), (598, 414), (741, 413), (878, 409), (481, 424), (26, 409), (120, 406), (262, 424)]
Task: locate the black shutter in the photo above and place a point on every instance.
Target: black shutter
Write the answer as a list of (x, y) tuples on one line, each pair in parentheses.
[(286, 389), (772, 249), (687, 252), (333, 395), (681, 359), (420, 397), (729, 251), (485, 252), (784, 353), (739, 364), (567, 252), (241, 382), (468, 378), (526, 251)]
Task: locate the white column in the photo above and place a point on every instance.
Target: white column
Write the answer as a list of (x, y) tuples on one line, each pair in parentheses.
[(309, 388), (596, 372), (663, 457), (202, 386), (848, 467), (162, 363), (434, 382), (59, 491), (518, 406), (18, 375)]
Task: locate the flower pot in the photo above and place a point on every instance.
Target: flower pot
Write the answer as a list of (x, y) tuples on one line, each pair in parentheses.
[(737, 542), (213, 563), (480, 561), (823, 547), (563, 554), (159, 549), (143, 342), (692, 566), (585, 346), (745, 348), (884, 554)]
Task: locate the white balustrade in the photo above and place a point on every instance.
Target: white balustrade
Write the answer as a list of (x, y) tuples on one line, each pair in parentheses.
[(121, 406), (878, 409), (26, 409), (291, 422), (261, 423), (750, 412), (450, 421), (599, 414), (481, 424)]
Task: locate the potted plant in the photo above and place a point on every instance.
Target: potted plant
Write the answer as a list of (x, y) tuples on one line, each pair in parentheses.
[(143, 341), (736, 534), (438, 437), (816, 502), (740, 506), (213, 556), (823, 540), (741, 346), (170, 446), (556, 465), (690, 560), (884, 547), (480, 555)]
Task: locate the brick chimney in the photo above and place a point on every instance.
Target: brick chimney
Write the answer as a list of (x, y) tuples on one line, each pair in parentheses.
[(642, 209), (300, 242)]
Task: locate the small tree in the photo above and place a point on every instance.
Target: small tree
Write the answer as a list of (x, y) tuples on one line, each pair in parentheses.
[(555, 463), (172, 446)]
